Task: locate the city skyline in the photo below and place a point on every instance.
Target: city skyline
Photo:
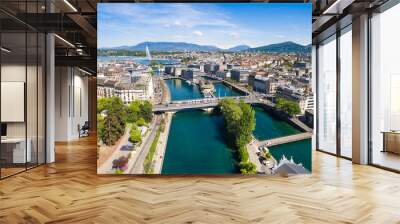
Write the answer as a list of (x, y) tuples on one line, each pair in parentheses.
[(222, 25)]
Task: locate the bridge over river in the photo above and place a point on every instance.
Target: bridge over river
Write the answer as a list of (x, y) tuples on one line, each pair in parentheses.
[(252, 148), (203, 103), (284, 140)]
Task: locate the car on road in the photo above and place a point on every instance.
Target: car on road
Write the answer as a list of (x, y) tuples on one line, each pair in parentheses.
[(127, 147)]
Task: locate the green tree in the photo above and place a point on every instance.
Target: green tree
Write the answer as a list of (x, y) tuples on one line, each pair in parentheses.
[(135, 136), (113, 129), (247, 124), (243, 154), (290, 107), (103, 104), (240, 123), (133, 111), (248, 168), (146, 111), (113, 126), (141, 122), (232, 115), (100, 127)]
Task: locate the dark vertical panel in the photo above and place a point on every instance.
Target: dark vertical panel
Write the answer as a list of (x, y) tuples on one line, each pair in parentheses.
[(369, 106), (25, 89), (1, 53), (316, 97), (37, 91), (338, 73)]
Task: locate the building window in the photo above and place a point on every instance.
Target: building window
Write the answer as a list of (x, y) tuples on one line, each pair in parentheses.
[(385, 89), (326, 130), (346, 92), (22, 101)]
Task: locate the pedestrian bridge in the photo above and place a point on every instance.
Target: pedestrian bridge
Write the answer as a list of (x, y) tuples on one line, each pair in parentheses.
[(284, 140), (201, 103)]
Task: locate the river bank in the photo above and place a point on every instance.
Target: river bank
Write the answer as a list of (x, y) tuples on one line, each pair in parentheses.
[(159, 155)]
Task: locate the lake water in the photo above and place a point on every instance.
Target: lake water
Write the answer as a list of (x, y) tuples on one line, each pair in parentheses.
[(140, 60)]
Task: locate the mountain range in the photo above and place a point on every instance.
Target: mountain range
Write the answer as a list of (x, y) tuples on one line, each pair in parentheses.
[(284, 47)]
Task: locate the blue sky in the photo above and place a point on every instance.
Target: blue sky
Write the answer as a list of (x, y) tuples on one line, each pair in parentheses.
[(220, 24)]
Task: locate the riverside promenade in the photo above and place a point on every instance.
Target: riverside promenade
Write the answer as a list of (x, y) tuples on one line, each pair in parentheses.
[(159, 155)]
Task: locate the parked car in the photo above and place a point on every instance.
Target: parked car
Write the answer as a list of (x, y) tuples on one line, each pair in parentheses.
[(127, 147)]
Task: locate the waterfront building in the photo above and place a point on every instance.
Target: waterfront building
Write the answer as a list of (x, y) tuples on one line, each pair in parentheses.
[(301, 65), (306, 102), (169, 70), (178, 71), (261, 84), (187, 74), (100, 87), (309, 117), (109, 86), (215, 68), (207, 68), (222, 74), (143, 89), (195, 66), (125, 78), (239, 75), (250, 80), (211, 68)]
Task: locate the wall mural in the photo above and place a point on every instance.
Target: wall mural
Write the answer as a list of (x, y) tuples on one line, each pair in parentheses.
[(220, 88)]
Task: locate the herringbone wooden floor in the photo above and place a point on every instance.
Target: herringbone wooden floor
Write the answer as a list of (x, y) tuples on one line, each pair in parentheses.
[(69, 191)]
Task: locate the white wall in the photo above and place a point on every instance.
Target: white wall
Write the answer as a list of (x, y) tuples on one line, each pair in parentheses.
[(71, 102)]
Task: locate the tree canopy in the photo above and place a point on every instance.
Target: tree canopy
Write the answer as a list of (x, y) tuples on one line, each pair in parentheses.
[(240, 122), (135, 135), (113, 116), (112, 126), (288, 106)]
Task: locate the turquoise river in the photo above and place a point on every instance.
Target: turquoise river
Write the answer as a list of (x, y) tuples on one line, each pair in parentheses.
[(197, 143)]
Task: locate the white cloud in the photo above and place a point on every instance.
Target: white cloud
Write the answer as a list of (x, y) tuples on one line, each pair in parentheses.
[(165, 15), (197, 33), (177, 23)]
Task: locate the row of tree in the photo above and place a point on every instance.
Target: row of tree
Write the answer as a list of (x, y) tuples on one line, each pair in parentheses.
[(113, 115), (240, 122)]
